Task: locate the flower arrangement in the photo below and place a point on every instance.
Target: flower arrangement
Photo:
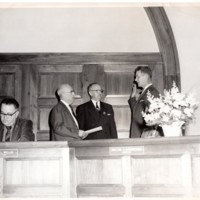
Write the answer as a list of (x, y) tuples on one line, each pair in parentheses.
[(172, 107)]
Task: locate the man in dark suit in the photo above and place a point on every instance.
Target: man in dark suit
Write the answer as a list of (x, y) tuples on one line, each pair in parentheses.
[(13, 128), (138, 101), (95, 113), (63, 123)]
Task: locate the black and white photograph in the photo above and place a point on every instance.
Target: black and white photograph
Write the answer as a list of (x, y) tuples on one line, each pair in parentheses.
[(99, 100)]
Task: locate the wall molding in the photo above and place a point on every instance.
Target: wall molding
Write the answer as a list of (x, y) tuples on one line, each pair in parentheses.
[(166, 44)]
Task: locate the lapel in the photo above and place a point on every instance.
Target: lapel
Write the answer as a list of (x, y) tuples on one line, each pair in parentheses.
[(141, 97), (103, 110), (66, 110), (16, 131), (1, 131), (144, 93), (93, 111)]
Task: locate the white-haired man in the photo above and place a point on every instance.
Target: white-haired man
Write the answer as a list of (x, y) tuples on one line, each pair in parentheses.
[(63, 123)]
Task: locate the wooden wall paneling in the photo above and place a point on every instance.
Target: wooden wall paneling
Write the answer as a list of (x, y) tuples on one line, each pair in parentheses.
[(146, 170), (40, 170), (18, 85), (73, 173), (119, 80), (35, 172), (187, 173), (25, 88), (10, 81), (1, 177), (80, 58), (49, 78), (95, 175), (33, 99), (106, 179), (65, 172), (42, 73), (92, 73), (104, 170), (195, 166), (7, 83), (161, 167), (127, 176), (122, 116), (52, 76)]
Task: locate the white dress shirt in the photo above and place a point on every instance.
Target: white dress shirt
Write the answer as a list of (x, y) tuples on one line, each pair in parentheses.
[(96, 103), (68, 107)]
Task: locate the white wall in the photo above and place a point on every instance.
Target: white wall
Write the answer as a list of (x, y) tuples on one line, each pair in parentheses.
[(185, 22), (76, 29)]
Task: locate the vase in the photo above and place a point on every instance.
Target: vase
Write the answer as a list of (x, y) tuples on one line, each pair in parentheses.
[(172, 130)]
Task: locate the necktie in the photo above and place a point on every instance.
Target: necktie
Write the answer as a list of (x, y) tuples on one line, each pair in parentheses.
[(8, 133), (97, 107)]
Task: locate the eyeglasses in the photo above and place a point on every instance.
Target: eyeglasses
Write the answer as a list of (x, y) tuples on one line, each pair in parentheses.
[(98, 91), (72, 91), (7, 114)]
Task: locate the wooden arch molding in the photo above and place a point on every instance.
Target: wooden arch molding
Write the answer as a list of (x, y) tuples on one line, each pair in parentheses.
[(166, 44)]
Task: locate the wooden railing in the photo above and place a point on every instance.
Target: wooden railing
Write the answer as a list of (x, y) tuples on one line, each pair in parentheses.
[(156, 167)]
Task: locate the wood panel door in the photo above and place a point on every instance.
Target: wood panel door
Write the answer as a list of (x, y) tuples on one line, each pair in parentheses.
[(116, 80), (11, 82)]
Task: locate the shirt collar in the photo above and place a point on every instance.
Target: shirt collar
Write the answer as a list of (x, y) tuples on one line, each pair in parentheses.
[(94, 102), (66, 104), (146, 87)]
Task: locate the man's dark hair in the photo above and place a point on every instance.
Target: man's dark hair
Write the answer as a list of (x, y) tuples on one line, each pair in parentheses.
[(10, 101), (144, 69)]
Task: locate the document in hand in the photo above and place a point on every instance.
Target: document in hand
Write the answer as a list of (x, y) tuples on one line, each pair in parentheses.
[(93, 130)]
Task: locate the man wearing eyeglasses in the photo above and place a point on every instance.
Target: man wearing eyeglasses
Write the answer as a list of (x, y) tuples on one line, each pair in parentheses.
[(63, 123), (12, 127), (96, 113)]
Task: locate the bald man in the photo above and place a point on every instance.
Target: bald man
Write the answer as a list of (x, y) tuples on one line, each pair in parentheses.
[(63, 123)]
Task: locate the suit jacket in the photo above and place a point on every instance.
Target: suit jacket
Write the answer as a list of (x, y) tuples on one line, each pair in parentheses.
[(22, 131), (88, 117), (137, 106), (62, 124)]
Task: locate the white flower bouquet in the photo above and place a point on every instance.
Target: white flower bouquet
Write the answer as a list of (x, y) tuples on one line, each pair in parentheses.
[(172, 107)]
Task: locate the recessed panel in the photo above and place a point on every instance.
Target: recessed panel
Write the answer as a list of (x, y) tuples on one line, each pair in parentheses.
[(101, 171), (195, 170), (156, 171), (44, 118), (119, 83), (7, 86), (49, 83), (122, 117), (29, 172)]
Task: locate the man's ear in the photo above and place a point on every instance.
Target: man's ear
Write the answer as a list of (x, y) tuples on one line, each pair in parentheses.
[(17, 113), (89, 93)]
